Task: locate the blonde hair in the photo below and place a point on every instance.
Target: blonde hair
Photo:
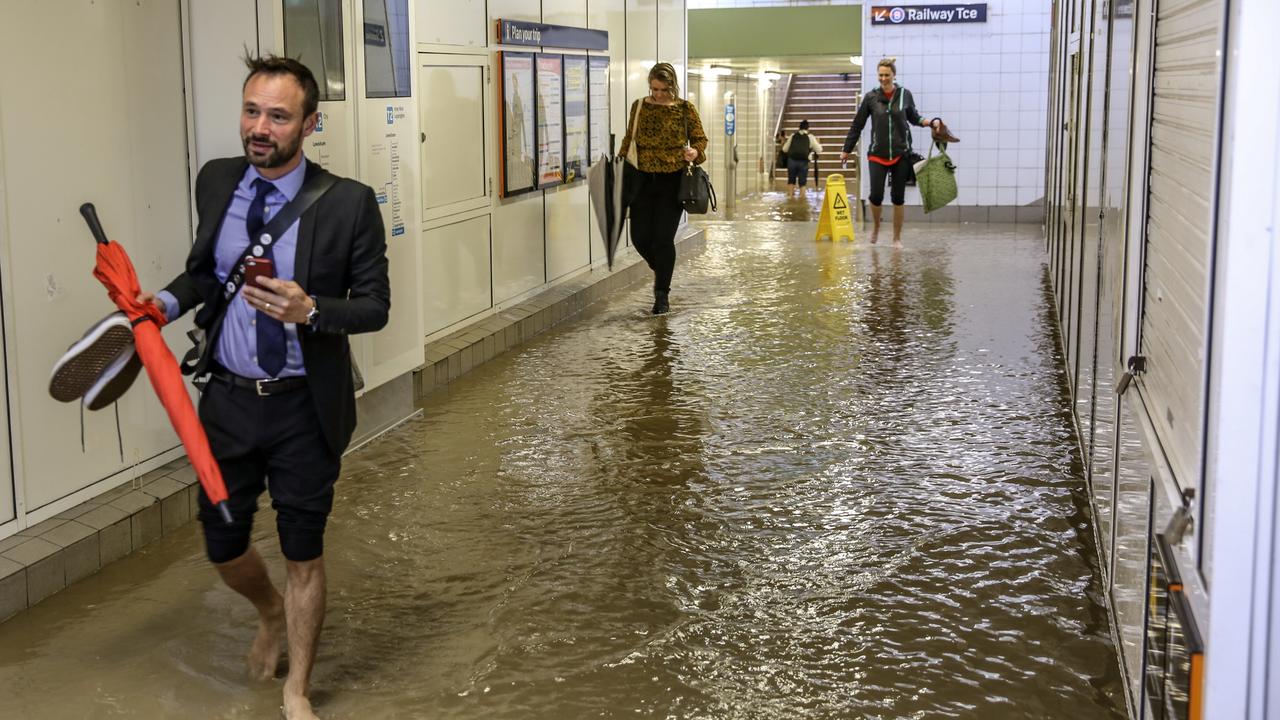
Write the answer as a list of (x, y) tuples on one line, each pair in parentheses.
[(666, 73), (889, 62)]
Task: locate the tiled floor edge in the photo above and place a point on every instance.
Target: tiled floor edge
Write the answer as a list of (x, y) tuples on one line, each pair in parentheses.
[(456, 354), (49, 556)]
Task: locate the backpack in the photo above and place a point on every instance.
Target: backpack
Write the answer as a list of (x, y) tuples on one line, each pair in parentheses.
[(799, 149)]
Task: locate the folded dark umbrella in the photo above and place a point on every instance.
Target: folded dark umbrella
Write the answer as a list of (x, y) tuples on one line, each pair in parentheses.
[(605, 185)]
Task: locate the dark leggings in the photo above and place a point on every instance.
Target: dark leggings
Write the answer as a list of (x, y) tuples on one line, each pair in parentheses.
[(655, 215), (898, 191)]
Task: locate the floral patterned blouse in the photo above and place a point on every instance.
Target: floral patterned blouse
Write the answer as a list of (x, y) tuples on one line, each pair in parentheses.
[(660, 137)]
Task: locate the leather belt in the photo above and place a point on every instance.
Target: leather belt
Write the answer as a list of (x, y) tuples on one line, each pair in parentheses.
[(264, 388)]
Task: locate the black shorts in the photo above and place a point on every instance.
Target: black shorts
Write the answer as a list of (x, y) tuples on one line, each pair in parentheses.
[(271, 443)]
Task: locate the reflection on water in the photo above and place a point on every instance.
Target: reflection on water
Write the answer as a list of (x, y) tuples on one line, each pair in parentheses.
[(838, 481)]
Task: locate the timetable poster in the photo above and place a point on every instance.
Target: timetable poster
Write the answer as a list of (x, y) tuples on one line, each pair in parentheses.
[(576, 155), (550, 125), (518, 116), (599, 99)]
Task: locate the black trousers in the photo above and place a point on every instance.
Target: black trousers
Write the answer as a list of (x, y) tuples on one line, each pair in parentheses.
[(655, 215), (899, 182), (272, 443)]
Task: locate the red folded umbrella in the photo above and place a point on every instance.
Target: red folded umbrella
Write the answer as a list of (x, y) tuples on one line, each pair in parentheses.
[(115, 271)]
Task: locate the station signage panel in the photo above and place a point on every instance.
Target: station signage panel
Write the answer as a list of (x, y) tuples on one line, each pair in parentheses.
[(516, 32), (928, 14)]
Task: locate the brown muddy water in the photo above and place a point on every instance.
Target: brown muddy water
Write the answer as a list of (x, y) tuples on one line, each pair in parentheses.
[(838, 481)]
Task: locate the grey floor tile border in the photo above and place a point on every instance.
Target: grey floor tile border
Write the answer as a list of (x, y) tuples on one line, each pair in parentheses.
[(45, 558)]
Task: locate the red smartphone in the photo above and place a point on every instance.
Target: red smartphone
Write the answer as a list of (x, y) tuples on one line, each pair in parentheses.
[(256, 267)]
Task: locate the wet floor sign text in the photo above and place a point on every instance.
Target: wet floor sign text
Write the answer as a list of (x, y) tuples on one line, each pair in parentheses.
[(836, 220)]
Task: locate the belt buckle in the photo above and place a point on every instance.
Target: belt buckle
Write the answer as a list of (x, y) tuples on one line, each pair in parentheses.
[(261, 386)]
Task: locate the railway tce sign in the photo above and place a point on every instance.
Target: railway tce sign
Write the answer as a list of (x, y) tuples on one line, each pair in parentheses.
[(922, 14)]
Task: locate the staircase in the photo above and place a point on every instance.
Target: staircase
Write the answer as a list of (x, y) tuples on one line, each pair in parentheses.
[(829, 103)]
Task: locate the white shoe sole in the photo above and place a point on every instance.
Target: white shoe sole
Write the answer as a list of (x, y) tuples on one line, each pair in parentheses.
[(115, 380), (84, 362)]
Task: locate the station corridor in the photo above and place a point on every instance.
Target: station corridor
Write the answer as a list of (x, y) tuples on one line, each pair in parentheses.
[(837, 481)]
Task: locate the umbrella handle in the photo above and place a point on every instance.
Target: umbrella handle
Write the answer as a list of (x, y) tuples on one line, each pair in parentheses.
[(91, 217), (224, 512)]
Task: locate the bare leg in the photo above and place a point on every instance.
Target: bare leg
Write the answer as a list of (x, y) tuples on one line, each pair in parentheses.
[(875, 229), (304, 597), (899, 214), (247, 575)]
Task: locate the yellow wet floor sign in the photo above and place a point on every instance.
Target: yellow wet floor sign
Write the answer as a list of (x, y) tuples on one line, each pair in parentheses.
[(836, 220)]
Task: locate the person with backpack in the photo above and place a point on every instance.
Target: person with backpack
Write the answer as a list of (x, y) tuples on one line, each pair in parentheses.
[(799, 148)]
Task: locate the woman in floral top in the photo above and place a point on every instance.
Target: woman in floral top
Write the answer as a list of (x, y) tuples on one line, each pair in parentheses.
[(668, 135)]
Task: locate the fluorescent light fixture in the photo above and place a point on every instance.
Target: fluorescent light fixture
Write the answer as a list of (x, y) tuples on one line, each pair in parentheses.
[(855, 59), (764, 76), (717, 70)]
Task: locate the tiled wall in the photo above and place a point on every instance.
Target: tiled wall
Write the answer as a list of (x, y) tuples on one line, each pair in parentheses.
[(989, 81)]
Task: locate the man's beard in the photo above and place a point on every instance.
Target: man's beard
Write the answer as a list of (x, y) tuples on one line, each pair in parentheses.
[(278, 155)]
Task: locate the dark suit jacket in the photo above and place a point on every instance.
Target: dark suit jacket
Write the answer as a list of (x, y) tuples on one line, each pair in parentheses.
[(341, 260)]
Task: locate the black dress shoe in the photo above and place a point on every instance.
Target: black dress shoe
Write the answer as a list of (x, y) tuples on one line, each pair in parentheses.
[(660, 304)]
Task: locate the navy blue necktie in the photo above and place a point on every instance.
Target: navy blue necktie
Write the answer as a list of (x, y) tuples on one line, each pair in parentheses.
[(271, 345)]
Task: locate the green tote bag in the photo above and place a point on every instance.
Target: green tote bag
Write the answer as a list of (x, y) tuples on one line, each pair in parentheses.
[(936, 177)]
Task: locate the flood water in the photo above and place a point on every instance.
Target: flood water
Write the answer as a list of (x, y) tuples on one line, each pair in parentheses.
[(837, 481)]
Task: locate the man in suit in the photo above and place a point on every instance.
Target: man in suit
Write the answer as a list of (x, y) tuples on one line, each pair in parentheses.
[(279, 407)]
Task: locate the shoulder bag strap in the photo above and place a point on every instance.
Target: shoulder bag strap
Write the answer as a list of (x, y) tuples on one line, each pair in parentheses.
[(684, 114), (311, 191), (633, 150)]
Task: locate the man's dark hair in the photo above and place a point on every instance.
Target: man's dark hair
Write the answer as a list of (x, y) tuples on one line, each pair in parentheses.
[(276, 65), (804, 124)]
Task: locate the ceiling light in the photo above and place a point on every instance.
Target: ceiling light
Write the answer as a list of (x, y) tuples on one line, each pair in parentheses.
[(855, 59)]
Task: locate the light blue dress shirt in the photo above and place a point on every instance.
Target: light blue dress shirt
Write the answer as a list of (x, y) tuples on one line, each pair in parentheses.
[(237, 348)]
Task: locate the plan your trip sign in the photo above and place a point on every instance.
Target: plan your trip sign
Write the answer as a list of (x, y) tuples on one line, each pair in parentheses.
[(928, 14), (515, 32)]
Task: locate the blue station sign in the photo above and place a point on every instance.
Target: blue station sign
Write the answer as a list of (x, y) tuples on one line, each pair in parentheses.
[(928, 14), (516, 32), (730, 119)]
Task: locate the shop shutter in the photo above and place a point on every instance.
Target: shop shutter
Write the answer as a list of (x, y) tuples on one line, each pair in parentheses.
[(1185, 104)]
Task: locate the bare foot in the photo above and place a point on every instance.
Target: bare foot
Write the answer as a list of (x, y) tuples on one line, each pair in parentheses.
[(298, 707), (875, 235), (264, 656)]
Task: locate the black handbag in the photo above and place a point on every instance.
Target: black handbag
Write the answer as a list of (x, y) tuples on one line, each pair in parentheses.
[(907, 164), (696, 194)]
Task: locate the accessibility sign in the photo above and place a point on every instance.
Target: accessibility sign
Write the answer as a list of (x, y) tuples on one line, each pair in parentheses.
[(928, 14), (835, 220)]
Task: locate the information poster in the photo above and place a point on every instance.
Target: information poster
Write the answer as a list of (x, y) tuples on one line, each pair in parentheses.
[(576, 153), (518, 124), (598, 81), (550, 119), (385, 168)]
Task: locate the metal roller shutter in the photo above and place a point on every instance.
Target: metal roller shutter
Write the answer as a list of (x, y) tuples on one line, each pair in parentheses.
[(1179, 234)]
